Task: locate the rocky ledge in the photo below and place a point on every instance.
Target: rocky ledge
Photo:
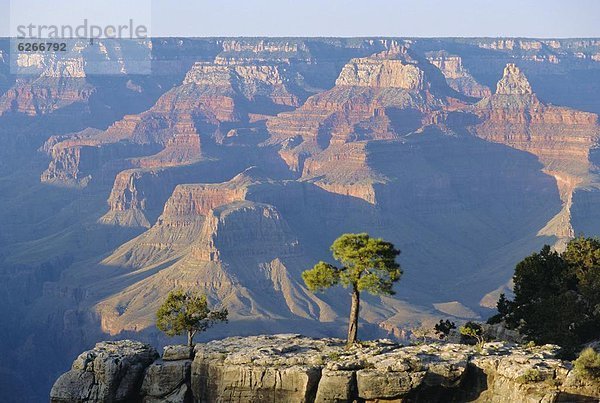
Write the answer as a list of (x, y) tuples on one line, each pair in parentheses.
[(292, 368)]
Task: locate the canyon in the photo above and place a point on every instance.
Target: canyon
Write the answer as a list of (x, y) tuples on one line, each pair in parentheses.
[(235, 163)]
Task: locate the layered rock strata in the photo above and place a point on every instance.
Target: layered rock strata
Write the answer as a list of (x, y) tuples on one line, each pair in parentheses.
[(111, 372), (457, 76), (291, 368), (561, 138), (210, 95), (381, 97)]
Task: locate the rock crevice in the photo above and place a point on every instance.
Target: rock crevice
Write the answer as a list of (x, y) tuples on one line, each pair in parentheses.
[(292, 368)]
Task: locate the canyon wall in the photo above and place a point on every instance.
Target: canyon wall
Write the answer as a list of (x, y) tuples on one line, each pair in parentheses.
[(233, 166)]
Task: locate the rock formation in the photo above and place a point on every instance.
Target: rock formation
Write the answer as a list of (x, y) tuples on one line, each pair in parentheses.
[(62, 83), (457, 76), (381, 74), (111, 372), (210, 235), (514, 116), (210, 94), (292, 368), (562, 138), (396, 137), (44, 95), (381, 97)]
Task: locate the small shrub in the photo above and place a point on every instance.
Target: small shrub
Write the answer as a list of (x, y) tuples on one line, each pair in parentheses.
[(473, 331), (530, 344), (334, 356), (443, 328), (530, 376), (587, 365)]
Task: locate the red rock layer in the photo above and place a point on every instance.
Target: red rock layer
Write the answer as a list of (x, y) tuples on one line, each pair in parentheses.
[(560, 137), (44, 95), (210, 95), (363, 105), (196, 200)]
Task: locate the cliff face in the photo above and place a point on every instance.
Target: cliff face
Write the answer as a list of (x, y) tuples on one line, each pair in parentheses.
[(381, 74), (45, 95), (381, 97), (401, 138), (211, 236), (211, 94), (457, 76), (291, 368), (364, 92), (62, 83), (562, 138)]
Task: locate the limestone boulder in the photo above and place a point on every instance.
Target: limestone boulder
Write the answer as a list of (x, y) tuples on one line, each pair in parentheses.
[(111, 372), (167, 381)]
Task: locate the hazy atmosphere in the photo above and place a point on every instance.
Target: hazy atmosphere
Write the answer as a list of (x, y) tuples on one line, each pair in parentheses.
[(348, 18), (299, 201)]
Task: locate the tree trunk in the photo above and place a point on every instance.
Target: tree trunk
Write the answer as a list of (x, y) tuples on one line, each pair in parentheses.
[(353, 324), (191, 334)]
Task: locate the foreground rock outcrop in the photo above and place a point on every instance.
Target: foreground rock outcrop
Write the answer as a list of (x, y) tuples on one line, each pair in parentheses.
[(292, 368), (112, 371)]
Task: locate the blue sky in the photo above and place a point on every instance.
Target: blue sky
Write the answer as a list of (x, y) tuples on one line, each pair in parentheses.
[(532, 18)]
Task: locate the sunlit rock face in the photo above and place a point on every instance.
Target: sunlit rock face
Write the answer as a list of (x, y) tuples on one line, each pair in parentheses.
[(292, 368), (233, 166), (457, 76), (561, 137)]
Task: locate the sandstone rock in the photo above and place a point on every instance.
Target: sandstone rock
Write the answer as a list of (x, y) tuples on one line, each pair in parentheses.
[(292, 368), (393, 385), (44, 95), (167, 380), (178, 352), (562, 138), (336, 386), (513, 82), (210, 94), (248, 384), (457, 76), (381, 73), (179, 395), (250, 80), (110, 372)]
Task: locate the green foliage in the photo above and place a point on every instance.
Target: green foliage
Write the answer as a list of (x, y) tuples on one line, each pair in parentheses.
[(557, 296), (321, 277), (504, 307), (540, 276), (530, 376), (187, 312), (587, 365), (369, 264), (472, 331), (443, 328), (583, 257)]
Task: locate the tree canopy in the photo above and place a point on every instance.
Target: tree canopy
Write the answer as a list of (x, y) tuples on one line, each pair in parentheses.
[(367, 264), (187, 312), (557, 295)]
